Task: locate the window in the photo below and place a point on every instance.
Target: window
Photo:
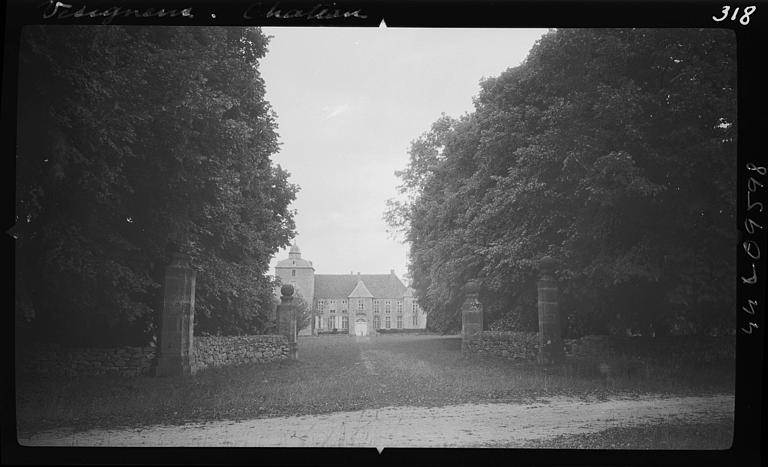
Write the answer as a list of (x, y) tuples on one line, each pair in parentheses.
[(319, 322), (331, 322), (399, 321), (413, 307), (387, 323), (399, 306), (360, 305), (320, 305), (375, 306), (293, 272), (344, 322), (376, 322), (415, 320), (387, 307)]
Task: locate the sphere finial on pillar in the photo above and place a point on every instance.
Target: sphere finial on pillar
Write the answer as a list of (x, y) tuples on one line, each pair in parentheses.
[(287, 290)]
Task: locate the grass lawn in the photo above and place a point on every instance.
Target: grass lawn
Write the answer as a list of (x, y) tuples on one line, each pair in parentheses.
[(335, 373)]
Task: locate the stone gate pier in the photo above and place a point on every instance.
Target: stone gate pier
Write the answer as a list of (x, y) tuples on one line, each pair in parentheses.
[(176, 357), (286, 320), (471, 315), (550, 340)]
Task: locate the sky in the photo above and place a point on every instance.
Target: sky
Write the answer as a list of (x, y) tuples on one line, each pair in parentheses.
[(349, 101)]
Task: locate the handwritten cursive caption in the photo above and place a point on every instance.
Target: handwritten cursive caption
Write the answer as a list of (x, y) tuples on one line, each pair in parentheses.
[(320, 11), (751, 247), (61, 10)]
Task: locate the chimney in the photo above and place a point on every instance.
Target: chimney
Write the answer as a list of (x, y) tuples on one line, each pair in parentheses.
[(392, 271)]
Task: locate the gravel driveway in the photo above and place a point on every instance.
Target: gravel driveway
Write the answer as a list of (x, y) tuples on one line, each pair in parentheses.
[(464, 425)]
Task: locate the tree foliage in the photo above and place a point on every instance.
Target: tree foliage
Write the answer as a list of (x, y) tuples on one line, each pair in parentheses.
[(134, 142), (303, 311), (613, 151)]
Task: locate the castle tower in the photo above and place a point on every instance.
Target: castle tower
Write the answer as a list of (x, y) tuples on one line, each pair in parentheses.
[(298, 272)]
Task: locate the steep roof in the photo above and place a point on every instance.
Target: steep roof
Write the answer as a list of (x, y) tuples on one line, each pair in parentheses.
[(361, 291), (342, 285)]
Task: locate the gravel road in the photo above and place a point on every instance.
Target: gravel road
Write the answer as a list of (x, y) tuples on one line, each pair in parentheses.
[(464, 425)]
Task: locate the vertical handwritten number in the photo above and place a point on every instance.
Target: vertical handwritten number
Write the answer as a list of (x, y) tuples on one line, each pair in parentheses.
[(751, 309), (726, 9), (748, 248), (749, 225), (751, 280), (745, 20), (751, 325), (750, 166), (750, 204), (735, 14)]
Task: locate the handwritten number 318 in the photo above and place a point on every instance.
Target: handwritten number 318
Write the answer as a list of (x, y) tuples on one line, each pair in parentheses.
[(744, 20)]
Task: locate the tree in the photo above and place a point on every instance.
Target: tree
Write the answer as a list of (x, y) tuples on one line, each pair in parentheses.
[(303, 311), (613, 151), (134, 142)]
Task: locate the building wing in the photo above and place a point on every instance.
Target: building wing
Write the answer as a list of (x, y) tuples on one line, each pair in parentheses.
[(342, 285)]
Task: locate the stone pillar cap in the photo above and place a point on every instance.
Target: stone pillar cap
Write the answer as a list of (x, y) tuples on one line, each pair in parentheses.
[(180, 259), (547, 263), (472, 286)]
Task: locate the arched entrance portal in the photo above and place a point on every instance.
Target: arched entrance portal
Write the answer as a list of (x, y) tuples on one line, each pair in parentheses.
[(361, 327)]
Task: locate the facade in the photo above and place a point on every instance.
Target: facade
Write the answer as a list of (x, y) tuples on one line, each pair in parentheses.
[(355, 304)]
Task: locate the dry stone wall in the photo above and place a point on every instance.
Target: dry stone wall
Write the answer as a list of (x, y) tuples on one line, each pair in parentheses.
[(216, 351), (57, 360), (524, 346), (702, 349), (210, 351), (506, 344)]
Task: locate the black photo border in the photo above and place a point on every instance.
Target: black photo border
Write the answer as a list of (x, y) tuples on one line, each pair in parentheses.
[(751, 250)]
